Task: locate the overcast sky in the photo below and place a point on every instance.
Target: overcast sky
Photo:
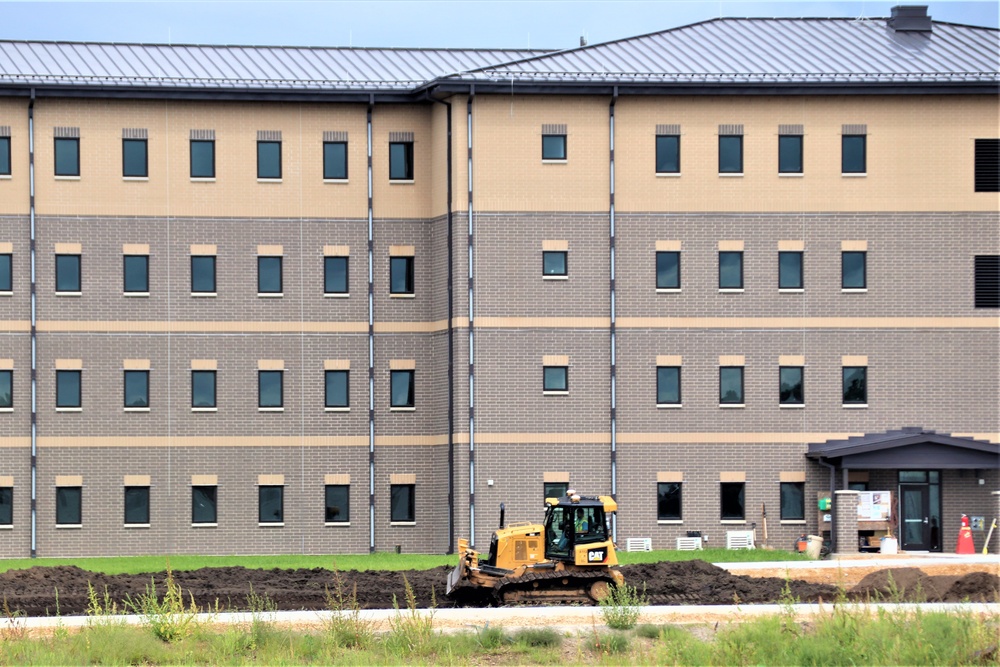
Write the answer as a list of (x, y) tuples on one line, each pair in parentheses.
[(450, 23)]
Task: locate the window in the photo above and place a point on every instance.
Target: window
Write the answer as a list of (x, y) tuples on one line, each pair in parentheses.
[(401, 389), (68, 389), (271, 504), (269, 389), (668, 501), (793, 501), (204, 504), (668, 270), (135, 274), (136, 389), (554, 489), (7, 389), (790, 380), (334, 160), (4, 156), (202, 389), (202, 158), (6, 272), (553, 146), (987, 278), (338, 503), (790, 270), (555, 379), (852, 152), (853, 270), (855, 385), (269, 275), (135, 163), (203, 274), (790, 154), (733, 501), (731, 385), (67, 157), (69, 501), (335, 275), (668, 154), (68, 273), (269, 159), (401, 161), (554, 263), (6, 506), (987, 177), (337, 389), (401, 275), (668, 385), (730, 270), (401, 503), (730, 154), (137, 505)]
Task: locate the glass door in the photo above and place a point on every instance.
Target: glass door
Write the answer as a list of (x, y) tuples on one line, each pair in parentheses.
[(914, 519)]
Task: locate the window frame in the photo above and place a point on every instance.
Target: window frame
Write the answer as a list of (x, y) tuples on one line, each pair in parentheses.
[(68, 373), (279, 517), (409, 273), (327, 260), (547, 485), (63, 495), (201, 142), (739, 255), (75, 141), (547, 254), (986, 281), (664, 254), (346, 513), (723, 486), (407, 157), (564, 144), (6, 273), (212, 503), (145, 158), (784, 138), (125, 274), (679, 400), (205, 258), (844, 140), (327, 374), (6, 155), (800, 270), (134, 489), (802, 385), (801, 487), (327, 177), (676, 150), (854, 402), (215, 388), (555, 389), (7, 380), (660, 515), (411, 515), (6, 505), (411, 390), (742, 397), (739, 142), (136, 375), (261, 144), (263, 262), (280, 375), (78, 270), (864, 269)]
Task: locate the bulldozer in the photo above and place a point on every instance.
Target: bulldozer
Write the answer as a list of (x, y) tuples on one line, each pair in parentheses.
[(568, 558)]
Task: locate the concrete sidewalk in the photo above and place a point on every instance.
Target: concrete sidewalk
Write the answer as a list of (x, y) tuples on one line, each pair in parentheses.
[(871, 560)]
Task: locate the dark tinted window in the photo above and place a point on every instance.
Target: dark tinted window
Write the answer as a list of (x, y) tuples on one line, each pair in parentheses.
[(335, 275), (202, 159), (203, 273), (730, 270), (790, 270), (269, 275), (853, 148), (68, 389), (269, 386), (268, 159), (136, 389), (554, 263), (401, 275), (204, 504), (401, 389), (553, 146), (69, 505), (334, 160), (401, 161), (987, 279), (790, 380), (67, 157), (668, 270), (6, 273), (202, 389), (338, 503), (401, 502), (668, 501), (5, 156), (730, 154), (731, 385), (733, 505), (137, 504), (135, 161), (67, 273), (271, 505), (337, 389), (554, 489), (668, 385), (793, 501), (856, 384), (790, 154), (987, 177), (6, 389), (853, 270), (136, 273), (668, 154), (6, 506), (555, 378)]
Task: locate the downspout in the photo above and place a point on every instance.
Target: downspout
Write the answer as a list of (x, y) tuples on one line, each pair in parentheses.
[(34, 328), (472, 337), (611, 247), (833, 511), (371, 344)]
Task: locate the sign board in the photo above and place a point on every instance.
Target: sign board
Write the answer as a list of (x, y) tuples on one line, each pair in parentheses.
[(874, 505)]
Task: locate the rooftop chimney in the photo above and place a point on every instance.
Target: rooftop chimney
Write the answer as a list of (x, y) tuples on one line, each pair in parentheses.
[(583, 41), (910, 18)]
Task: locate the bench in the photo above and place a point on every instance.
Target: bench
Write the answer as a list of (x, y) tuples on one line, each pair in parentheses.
[(688, 543), (639, 544), (739, 539)]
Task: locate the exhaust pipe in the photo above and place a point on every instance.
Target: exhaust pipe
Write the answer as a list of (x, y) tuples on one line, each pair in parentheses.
[(501, 515)]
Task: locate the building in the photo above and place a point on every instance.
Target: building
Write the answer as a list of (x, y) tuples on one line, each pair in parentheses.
[(289, 300)]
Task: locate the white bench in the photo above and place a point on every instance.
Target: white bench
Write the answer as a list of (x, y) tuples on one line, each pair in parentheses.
[(639, 544), (688, 543), (739, 539)]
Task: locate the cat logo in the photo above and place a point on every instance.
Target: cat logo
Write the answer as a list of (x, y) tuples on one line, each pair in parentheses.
[(596, 555)]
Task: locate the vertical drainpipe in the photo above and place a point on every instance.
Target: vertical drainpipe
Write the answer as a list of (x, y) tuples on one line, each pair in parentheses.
[(611, 245), (34, 330), (371, 345), (472, 336)]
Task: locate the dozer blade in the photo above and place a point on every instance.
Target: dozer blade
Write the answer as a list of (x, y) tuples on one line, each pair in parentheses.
[(456, 578)]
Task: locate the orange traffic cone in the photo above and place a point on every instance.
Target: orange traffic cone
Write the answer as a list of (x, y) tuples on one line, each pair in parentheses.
[(965, 545)]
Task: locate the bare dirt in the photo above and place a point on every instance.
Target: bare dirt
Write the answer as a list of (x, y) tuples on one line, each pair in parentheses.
[(47, 591)]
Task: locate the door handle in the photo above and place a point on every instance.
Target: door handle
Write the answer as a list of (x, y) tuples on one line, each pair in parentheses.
[(925, 519)]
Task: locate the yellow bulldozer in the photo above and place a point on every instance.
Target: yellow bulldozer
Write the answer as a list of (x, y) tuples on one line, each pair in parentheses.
[(568, 558)]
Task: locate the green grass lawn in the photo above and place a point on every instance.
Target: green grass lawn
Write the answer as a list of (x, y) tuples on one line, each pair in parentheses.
[(376, 561)]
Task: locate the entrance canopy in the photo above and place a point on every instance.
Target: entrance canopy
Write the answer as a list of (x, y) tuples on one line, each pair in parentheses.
[(911, 448)]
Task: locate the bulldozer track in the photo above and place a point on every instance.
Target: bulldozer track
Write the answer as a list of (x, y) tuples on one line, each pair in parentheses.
[(578, 582)]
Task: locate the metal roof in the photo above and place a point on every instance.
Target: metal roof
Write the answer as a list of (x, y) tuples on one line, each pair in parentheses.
[(910, 447)]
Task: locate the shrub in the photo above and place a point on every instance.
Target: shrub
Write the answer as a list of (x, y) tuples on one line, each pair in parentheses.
[(170, 619), (345, 627), (538, 637), (610, 643), (622, 607)]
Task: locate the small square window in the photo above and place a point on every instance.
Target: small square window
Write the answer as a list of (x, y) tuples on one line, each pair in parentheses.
[(855, 385), (137, 505), (401, 387), (731, 154), (135, 273), (69, 503), (270, 389), (730, 270), (202, 158), (401, 275), (204, 504), (401, 161), (335, 275), (853, 270), (553, 146), (269, 159), (853, 150), (668, 154), (334, 160), (793, 501), (68, 273), (668, 385), (401, 503), (67, 157), (6, 272), (4, 156), (554, 489), (203, 389), (338, 503), (136, 389), (269, 275), (68, 389), (203, 274), (6, 506), (7, 389), (135, 162), (668, 270), (790, 270), (731, 385), (733, 501), (986, 270), (790, 154), (554, 263), (668, 501), (337, 389), (555, 378), (791, 385), (271, 504)]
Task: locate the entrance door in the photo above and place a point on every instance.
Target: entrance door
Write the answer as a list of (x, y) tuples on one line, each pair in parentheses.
[(915, 515)]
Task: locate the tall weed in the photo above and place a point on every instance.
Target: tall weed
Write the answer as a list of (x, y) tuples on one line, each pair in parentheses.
[(170, 619), (346, 627), (411, 631), (622, 607)]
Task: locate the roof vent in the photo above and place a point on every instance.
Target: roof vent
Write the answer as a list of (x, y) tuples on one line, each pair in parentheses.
[(910, 18)]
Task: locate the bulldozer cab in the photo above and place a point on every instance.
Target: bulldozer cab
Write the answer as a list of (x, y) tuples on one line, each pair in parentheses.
[(571, 522)]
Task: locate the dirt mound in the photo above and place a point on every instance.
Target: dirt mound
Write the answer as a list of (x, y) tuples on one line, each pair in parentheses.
[(914, 585), (976, 587)]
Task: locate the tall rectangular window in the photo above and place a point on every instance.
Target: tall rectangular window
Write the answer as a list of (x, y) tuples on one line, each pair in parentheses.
[(986, 275), (270, 389), (68, 278), (271, 504), (853, 149), (204, 504), (730, 270), (136, 389), (730, 154), (67, 157), (401, 503), (853, 274), (4, 156), (668, 501), (668, 154), (555, 379), (7, 389), (733, 501), (987, 165), (68, 391), (401, 275), (793, 501), (401, 386), (269, 159), (553, 146), (731, 385), (335, 275), (6, 506), (203, 274), (337, 389), (135, 160), (554, 263), (334, 160), (203, 389), (202, 158), (137, 505), (6, 272), (668, 270), (338, 503), (790, 270), (790, 154), (269, 275), (791, 385), (135, 274), (855, 385), (554, 489), (668, 385), (401, 161), (69, 506)]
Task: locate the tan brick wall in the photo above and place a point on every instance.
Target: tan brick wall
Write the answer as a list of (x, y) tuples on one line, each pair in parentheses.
[(403, 200), (14, 191)]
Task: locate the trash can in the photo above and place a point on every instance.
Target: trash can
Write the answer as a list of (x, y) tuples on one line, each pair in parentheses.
[(814, 547), (888, 545)]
